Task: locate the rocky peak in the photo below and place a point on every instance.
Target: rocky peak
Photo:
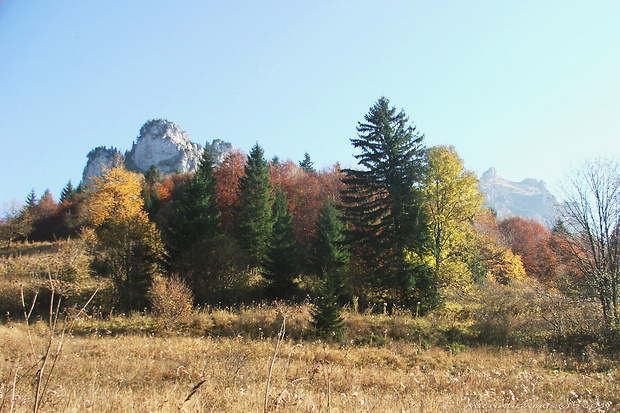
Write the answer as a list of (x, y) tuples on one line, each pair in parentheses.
[(165, 145), (99, 159), (528, 199), (490, 173), (161, 143)]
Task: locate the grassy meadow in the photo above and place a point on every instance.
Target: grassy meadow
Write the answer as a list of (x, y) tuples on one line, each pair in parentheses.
[(492, 349)]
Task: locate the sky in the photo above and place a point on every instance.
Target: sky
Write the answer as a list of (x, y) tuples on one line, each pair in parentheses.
[(528, 87)]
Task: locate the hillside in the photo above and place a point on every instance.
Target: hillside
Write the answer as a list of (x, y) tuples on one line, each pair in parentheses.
[(528, 199)]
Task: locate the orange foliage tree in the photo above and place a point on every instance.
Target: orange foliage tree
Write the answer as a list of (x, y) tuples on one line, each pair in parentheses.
[(227, 177), (531, 241)]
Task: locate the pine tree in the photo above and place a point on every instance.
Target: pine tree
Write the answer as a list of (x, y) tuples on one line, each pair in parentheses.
[(382, 202), (281, 267), (253, 218)]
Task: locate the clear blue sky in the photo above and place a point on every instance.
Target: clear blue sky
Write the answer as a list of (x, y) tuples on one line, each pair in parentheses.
[(525, 86)]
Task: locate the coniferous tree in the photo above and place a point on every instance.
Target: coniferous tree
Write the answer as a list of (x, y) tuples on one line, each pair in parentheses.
[(31, 199), (68, 193), (328, 255), (326, 317), (306, 163), (281, 267), (253, 220), (193, 230), (329, 250), (382, 202)]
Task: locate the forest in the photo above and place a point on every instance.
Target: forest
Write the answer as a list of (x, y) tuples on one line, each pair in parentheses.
[(400, 249)]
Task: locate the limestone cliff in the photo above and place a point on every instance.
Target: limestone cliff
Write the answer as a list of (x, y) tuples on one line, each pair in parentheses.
[(161, 143), (99, 159), (165, 145)]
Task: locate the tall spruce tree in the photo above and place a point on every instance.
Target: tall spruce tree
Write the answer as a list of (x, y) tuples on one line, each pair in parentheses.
[(281, 267), (194, 229), (382, 202), (253, 220)]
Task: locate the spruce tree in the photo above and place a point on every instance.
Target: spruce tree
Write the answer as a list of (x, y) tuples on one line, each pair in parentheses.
[(382, 202), (328, 255), (193, 228), (306, 164), (326, 317), (329, 251), (31, 199), (68, 193), (281, 267), (253, 218)]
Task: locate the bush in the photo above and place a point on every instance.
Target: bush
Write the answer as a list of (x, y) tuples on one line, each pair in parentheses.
[(171, 299)]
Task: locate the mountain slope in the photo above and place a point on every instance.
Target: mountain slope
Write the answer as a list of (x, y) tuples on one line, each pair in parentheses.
[(528, 199)]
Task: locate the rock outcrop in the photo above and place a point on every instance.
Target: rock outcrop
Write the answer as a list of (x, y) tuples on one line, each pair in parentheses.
[(165, 145), (161, 143), (528, 199), (99, 159)]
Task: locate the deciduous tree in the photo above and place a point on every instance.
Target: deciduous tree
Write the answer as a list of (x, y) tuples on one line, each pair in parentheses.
[(452, 201), (227, 176), (592, 215), (126, 246), (531, 241)]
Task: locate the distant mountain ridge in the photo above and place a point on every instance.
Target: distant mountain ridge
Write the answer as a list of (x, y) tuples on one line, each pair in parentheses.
[(161, 143), (528, 199)]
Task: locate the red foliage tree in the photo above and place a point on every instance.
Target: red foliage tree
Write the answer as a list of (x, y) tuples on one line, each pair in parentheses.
[(307, 192), (531, 241), (227, 177)]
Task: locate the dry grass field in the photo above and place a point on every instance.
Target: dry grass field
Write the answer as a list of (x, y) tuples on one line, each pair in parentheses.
[(104, 371), (235, 360)]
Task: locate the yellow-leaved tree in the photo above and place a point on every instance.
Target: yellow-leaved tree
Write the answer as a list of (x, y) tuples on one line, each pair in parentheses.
[(452, 201), (496, 260), (127, 247)]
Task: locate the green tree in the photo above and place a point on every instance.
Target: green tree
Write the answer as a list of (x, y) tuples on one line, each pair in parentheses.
[(383, 205), (125, 245), (152, 175), (281, 267), (326, 317), (68, 193), (452, 201), (253, 218), (329, 254), (329, 251), (31, 199), (306, 164), (194, 230)]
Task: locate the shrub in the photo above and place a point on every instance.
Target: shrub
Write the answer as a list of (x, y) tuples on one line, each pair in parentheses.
[(171, 299)]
